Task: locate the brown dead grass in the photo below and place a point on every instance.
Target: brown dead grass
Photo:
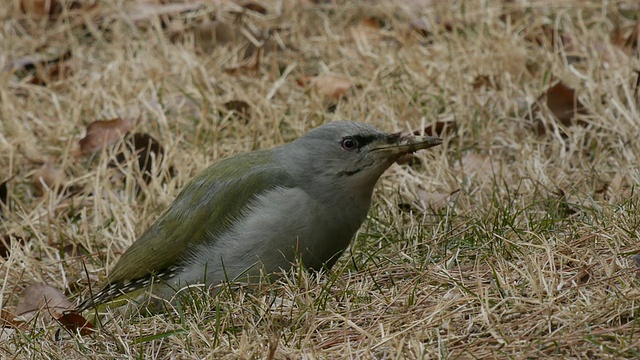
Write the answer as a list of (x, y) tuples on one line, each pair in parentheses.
[(529, 259)]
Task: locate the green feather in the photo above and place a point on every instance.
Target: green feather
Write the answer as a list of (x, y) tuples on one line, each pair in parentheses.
[(206, 206)]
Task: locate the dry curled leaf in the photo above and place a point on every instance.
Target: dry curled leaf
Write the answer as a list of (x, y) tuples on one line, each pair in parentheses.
[(255, 7), (367, 28), (148, 152), (76, 323), (41, 8), (37, 297), (241, 108), (562, 101), (327, 86), (103, 133)]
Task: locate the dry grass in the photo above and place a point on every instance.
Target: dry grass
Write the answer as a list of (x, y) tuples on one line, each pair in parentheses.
[(529, 259)]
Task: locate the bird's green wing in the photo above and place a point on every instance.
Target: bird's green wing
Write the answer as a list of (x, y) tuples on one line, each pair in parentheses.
[(205, 206)]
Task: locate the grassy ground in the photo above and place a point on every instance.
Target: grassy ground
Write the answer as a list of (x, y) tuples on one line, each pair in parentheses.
[(504, 242)]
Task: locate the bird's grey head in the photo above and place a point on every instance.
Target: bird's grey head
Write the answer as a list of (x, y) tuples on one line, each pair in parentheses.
[(348, 154)]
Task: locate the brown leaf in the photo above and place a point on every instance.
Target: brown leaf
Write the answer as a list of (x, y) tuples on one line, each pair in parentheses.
[(6, 242), (41, 8), (562, 101), (564, 104), (439, 128), (49, 177), (147, 150), (241, 108), (103, 133), (255, 7), (367, 28), (75, 322), (42, 297), (327, 86), (52, 9)]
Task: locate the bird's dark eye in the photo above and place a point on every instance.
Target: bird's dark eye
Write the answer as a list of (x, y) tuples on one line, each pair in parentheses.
[(349, 143)]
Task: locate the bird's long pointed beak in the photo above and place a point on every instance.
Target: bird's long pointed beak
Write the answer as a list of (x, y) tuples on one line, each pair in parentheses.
[(405, 144)]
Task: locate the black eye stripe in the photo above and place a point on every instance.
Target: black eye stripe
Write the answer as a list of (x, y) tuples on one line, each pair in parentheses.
[(362, 140)]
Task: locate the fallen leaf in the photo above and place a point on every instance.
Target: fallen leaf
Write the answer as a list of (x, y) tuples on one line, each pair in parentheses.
[(326, 86), (562, 101), (103, 133), (367, 28), (41, 8), (241, 108), (49, 177), (564, 104), (148, 152), (75, 323), (255, 7), (37, 297)]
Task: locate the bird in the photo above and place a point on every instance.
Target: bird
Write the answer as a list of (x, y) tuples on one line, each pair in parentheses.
[(261, 212)]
